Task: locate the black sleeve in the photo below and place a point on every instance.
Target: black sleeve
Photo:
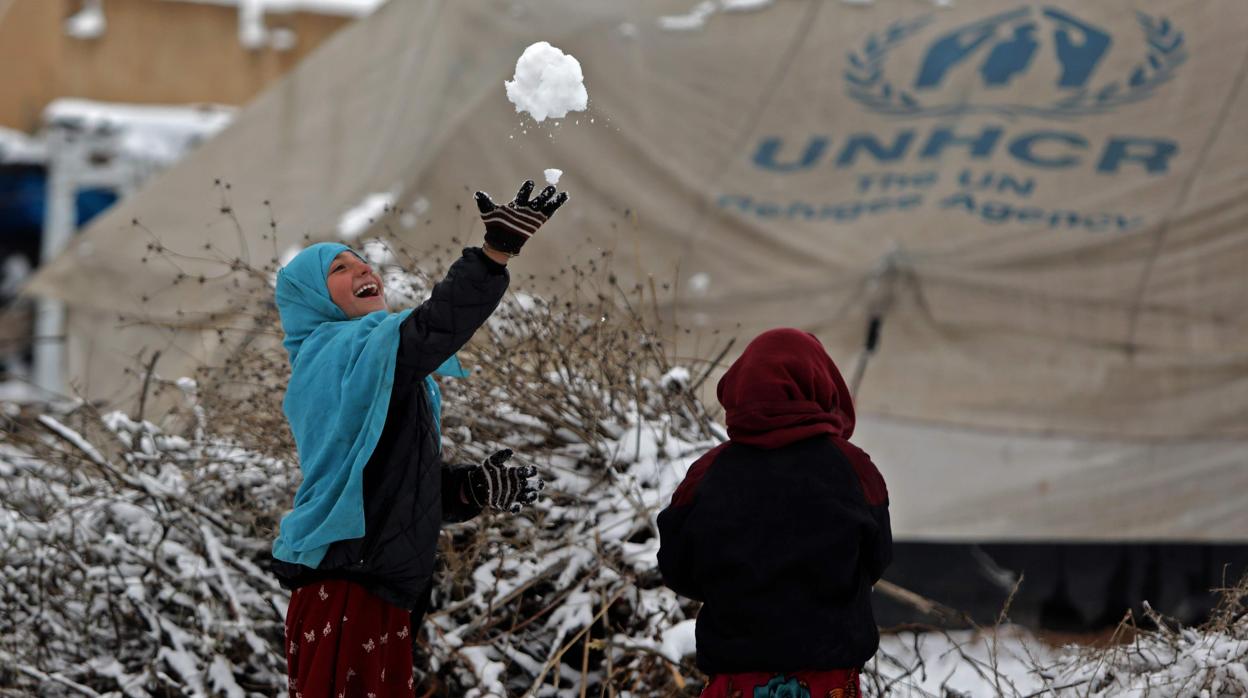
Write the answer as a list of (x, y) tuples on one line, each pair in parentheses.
[(454, 481), (458, 306), (676, 554), (878, 546)]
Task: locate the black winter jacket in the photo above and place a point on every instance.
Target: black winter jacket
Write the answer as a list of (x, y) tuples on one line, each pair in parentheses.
[(408, 491), (782, 547)]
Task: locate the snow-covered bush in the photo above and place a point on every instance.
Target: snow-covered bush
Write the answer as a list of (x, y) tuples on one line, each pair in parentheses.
[(133, 550)]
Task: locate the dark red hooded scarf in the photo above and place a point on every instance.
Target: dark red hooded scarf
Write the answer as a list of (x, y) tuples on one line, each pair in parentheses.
[(785, 388)]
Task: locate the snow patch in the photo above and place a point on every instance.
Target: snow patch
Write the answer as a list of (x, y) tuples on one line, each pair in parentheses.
[(745, 5), (17, 147), (285, 258), (676, 379), (548, 83), (411, 217), (252, 33), (14, 271), (343, 8), (678, 641), (488, 672), (358, 219), (221, 678), (289, 255), (378, 253), (157, 134), (692, 20), (283, 39), (88, 22)]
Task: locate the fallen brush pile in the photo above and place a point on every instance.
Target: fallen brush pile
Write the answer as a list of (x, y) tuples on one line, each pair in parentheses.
[(133, 551)]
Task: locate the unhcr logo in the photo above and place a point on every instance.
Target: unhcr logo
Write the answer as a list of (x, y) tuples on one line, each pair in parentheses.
[(1060, 57)]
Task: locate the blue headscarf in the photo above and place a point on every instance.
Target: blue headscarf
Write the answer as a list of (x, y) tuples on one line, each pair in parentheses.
[(342, 372)]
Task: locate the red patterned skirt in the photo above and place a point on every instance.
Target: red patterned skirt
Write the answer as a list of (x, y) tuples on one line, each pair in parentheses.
[(839, 683), (343, 642)]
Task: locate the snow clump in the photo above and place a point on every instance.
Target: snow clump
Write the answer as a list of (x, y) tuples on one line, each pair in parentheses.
[(676, 379), (552, 176), (548, 83)]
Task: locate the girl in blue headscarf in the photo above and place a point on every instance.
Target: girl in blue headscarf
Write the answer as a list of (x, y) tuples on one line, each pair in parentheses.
[(358, 548)]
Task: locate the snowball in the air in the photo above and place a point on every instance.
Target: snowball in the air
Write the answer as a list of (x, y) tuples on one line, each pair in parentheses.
[(547, 83), (552, 176)]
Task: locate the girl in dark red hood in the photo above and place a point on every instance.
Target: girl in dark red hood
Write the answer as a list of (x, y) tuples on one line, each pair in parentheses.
[(781, 531)]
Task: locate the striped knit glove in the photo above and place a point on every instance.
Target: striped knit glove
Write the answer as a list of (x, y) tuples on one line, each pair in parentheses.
[(503, 487), (508, 227)]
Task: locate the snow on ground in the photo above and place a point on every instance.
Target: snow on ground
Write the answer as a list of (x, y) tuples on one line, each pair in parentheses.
[(1009, 661), (548, 83), (967, 662)]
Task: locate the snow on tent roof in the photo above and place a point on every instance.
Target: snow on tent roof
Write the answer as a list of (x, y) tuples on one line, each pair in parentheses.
[(1045, 205), (349, 8)]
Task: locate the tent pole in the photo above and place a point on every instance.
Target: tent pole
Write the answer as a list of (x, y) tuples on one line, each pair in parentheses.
[(868, 349), (59, 215), (880, 292)]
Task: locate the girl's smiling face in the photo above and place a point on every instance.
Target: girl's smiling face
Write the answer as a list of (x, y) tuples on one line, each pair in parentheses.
[(354, 286)]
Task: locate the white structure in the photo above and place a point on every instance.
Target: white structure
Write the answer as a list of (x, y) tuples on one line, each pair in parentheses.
[(109, 146)]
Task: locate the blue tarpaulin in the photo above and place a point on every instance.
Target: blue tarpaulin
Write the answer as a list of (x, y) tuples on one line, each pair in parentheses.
[(23, 197)]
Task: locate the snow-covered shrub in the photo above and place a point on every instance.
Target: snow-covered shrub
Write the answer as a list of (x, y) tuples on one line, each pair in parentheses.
[(130, 562), (134, 550)]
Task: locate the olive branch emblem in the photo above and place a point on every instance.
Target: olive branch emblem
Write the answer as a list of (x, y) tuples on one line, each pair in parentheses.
[(867, 83), (865, 73), (1166, 53)]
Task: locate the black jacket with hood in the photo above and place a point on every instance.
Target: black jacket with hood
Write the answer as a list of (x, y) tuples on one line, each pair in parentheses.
[(408, 491), (782, 531)]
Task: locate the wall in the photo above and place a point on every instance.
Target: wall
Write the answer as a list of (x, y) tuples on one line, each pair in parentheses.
[(153, 51)]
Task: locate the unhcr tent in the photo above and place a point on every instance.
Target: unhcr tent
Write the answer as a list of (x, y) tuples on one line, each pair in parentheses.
[(1042, 208)]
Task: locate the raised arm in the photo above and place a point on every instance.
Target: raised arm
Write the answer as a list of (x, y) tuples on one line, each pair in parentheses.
[(474, 285), (460, 303)]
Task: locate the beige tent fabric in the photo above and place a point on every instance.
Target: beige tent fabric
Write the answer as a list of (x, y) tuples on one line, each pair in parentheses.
[(951, 485), (1048, 203)]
